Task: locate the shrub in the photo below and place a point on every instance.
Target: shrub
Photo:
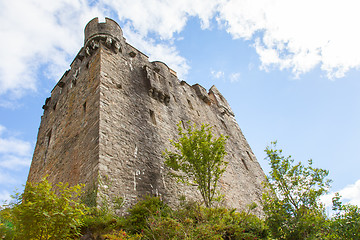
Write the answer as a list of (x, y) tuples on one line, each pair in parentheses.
[(40, 213), (137, 220), (193, 221)]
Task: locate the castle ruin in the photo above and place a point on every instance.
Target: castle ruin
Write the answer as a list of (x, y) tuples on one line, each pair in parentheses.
[(111, 115)]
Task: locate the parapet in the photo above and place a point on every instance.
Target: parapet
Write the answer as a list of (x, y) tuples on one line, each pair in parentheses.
[(108, 28)]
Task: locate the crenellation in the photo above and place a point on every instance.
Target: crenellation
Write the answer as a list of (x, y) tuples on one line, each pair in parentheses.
[(201, 93), (110, 117), (109, 28)]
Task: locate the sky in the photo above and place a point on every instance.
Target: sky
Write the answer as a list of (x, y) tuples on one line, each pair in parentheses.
[(290, 71)]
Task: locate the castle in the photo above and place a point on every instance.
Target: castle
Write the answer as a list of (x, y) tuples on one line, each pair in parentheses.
[(111, 115)]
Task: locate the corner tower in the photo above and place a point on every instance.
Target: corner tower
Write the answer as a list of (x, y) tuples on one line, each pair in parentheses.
[(111, 115)]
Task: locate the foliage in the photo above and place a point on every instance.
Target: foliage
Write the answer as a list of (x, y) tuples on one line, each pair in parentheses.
[(199, 159), (100, 220), (290, 202), (121, 235), (345, 224), (40, 213), (291, 197), (139, 214), (90, 195), (7, 230), (151, 218), (192, 221)]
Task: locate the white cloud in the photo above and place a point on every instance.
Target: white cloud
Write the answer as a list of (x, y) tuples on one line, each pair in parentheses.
[(4, 196), (14, 162), (15, 154), (293, 35), (47, 35), (14, 146), (349, 194), (298, 35), (7, 178), (217, 74), (39, 32), (163, 17), (2, 129), (164, 52), (234, 77)]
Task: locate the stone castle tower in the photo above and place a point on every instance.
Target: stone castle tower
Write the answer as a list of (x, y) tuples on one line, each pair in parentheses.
[(111, 115)]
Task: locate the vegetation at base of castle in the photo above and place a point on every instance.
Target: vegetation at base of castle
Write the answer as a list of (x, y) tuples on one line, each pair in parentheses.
[(151, 218), (199, 160), (90, 194), (44, 212), (290, 203)]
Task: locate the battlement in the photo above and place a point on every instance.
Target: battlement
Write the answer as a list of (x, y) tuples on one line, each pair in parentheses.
[(108, 28)]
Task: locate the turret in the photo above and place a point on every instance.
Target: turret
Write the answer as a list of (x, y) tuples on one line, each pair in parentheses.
[(107, 28), (108, 32)]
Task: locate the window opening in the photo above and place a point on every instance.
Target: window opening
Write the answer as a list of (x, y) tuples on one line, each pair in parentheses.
[(152, 117), (48, 137), (223, 123), (183, 124), (243, 161), (249, 155), (190, 105)]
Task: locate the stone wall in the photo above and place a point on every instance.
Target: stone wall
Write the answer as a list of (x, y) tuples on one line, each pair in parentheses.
[(115, 113), (67, 147)]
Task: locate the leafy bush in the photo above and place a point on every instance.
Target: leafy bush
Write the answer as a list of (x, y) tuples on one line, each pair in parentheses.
[(193, 221), (121, 235), (98, 220), (137, 220), (40, 213), (7, 230)]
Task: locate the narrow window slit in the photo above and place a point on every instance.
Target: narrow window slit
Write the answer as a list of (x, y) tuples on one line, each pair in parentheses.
[(152, 117), (48, 138), (249, 155), (223, 123), (243, 161), (183, 124), (190, 105)]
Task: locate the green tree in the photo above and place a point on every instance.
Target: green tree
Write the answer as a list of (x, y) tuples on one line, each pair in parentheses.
[(291, 197), (345, 223), (47, 212), (199, 159), (6, 227)]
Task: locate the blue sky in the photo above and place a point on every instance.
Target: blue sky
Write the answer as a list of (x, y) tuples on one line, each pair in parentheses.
[(289, 69)]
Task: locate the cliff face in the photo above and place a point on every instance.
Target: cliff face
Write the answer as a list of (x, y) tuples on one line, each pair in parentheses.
[(111, 116)]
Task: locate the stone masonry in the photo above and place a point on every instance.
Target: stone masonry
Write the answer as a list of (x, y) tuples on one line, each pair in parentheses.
[(111, 115)]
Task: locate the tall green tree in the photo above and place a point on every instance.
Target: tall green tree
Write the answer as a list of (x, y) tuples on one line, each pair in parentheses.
[(291, 197), (345, 223), (198, 159), (45, 212)]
